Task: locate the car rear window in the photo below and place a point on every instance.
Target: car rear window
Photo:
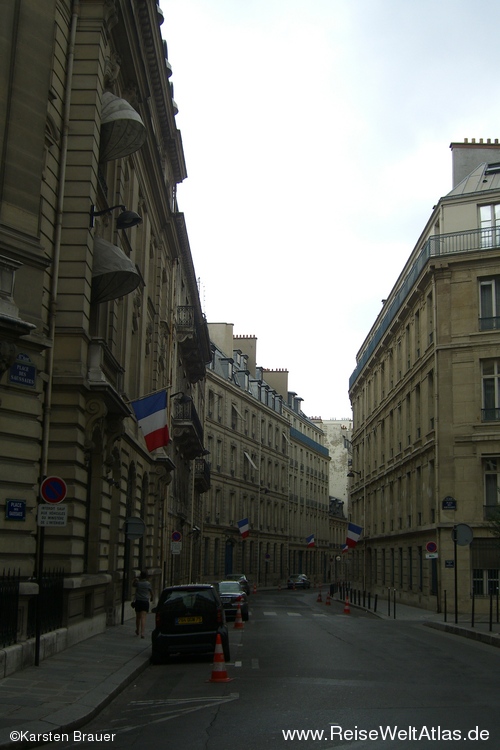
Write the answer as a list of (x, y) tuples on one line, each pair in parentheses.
[(176, 601)]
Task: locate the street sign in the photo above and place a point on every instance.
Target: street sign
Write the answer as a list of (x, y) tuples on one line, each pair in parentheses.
[(175, 548), (53, 490), (449, 503), (431, 547), (15, 510), (52, 515), (176, 536), (431, 555), (462, 534), (134, 528)]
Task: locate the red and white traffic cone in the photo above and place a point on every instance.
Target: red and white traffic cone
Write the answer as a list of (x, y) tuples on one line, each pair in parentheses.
[(255, 588), (219, 673), (347, 609), (238, 623), (327, 601), (320, 598)]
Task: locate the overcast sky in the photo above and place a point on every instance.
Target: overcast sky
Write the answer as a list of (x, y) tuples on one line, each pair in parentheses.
[(316, 137)]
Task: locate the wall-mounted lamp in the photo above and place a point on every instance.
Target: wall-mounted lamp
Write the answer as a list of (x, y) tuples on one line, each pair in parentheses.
[(352, 472), (126, 220)]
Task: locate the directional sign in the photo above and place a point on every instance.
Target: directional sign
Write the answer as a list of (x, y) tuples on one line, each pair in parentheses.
[(53, 490)]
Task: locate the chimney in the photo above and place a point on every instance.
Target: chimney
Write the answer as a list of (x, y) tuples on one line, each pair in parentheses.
[(468, 155)]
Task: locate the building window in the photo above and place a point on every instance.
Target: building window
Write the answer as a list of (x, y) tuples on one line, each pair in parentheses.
[(490, 225), (489, 304), (485, 582), (491, 487), (491, 389)]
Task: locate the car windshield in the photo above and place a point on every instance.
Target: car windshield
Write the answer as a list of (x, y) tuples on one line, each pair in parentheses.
[(229, 587)]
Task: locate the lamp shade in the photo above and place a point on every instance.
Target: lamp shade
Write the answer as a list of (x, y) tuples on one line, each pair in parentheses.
[(113, 273), (122, 130)]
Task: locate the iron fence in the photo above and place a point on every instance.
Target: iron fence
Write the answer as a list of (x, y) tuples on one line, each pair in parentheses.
[(50, 602), (9, 606)]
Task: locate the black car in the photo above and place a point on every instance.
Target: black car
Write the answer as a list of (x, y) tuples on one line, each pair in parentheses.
[(298, 581), (188, 619), (242, 580), (232, 594)]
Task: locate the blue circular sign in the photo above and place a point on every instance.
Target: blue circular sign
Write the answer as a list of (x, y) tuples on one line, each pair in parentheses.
[(176, 536)]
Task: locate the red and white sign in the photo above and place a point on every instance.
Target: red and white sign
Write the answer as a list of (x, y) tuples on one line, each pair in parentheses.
[(53, 490)]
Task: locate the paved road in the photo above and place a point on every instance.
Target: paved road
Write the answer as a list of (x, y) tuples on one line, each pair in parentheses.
[(299, 665)]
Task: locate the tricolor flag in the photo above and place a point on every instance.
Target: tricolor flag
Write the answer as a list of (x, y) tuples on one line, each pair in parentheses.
[(151, 413), (244, 527), (310, 541), (353, 534)]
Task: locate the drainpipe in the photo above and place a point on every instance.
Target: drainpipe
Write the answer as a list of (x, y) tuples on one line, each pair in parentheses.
[(52, 308), (57, 239)]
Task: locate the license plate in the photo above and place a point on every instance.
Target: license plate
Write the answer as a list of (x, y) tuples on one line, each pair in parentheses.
[(226, 600), (188, 620)]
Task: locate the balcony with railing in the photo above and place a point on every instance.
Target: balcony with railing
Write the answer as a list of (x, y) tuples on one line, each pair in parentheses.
[(440, 245), (187, 430), (202, 475), (194, 342)]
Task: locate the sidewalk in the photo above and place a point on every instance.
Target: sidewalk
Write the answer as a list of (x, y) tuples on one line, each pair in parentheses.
[(480, 631), (68, 689)]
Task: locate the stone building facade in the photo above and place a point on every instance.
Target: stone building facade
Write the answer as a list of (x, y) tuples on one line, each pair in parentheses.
[(426, 429), (268, 464), (98, 304)]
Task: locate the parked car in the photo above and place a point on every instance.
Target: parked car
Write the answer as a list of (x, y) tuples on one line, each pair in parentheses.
[(242, 579), (232, 594), (298, 581), (188, 619)]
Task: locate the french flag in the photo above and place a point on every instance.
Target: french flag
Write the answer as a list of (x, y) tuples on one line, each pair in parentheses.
[(310, 541), (151, 414), (353, 534), (244, 527)]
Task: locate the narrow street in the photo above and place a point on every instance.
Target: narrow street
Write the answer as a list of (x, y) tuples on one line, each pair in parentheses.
[(301, 665)]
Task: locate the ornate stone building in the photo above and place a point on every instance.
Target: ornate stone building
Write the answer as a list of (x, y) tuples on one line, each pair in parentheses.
[(268, 464), (98, 302), (425, 397)]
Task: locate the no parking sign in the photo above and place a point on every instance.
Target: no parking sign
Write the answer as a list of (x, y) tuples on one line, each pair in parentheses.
[(53, 490)]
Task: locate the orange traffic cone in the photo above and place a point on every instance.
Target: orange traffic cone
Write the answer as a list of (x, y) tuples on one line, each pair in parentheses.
[(255, 588), (327, 601), (320, 598), (219, 673), (238, 623), (347, 609)]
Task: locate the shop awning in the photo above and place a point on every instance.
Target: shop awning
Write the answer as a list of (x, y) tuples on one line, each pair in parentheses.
[(122, 130), (113, 273)]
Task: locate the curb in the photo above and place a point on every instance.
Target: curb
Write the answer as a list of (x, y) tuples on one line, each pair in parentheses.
[(489, 638)]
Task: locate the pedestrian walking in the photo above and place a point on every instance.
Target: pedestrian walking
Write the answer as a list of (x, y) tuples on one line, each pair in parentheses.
[(143, 595)]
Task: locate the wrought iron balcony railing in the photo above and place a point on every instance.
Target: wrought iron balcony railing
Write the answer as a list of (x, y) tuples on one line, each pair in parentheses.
[(475, 240)]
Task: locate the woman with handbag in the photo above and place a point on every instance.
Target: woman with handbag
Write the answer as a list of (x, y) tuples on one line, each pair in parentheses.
[(143, 595)]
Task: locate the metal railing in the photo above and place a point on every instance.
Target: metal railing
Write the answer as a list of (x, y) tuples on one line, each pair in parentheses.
[(438, 245), (50, 601), (9, 606)]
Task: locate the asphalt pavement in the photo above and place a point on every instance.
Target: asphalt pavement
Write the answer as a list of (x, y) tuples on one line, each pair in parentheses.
[(70, 688)]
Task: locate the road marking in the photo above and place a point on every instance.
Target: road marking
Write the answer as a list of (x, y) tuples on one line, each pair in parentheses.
[(255, 664), (269, 614), (294, 614), (319, 615), (237, 663)]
